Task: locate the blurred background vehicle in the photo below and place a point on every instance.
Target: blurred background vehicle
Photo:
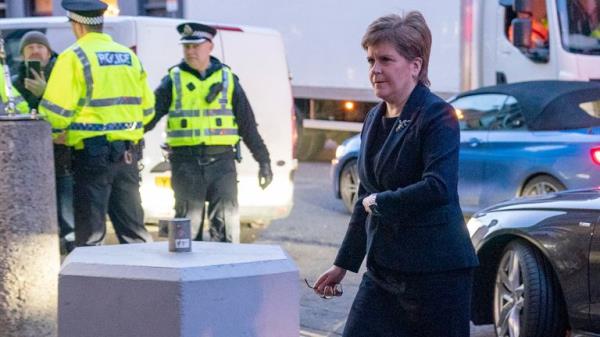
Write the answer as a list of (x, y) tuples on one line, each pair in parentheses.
[(539, 271), (514, 142)]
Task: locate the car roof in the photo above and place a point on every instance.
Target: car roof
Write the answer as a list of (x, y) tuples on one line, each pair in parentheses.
[(549, 105)]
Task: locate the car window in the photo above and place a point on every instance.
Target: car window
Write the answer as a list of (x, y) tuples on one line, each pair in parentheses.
[(591, 107), (478, 112), (510, 117)]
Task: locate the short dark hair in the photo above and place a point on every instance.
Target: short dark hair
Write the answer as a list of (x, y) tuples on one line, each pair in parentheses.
[(409, 35)]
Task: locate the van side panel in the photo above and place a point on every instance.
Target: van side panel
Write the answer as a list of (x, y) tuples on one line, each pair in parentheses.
[(258, 59)]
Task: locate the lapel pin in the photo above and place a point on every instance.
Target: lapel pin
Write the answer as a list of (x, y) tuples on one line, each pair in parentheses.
[(402, 124)]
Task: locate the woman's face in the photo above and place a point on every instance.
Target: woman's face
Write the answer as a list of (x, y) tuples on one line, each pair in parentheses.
[(392, 76)]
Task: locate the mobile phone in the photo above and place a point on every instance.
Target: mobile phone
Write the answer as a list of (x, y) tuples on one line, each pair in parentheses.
[(35, 65)]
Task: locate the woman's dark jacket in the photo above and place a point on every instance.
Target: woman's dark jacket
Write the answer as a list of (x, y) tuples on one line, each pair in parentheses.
[(420, 227), (62, 153)]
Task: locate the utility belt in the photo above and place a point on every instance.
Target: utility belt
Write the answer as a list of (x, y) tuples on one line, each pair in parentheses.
[(98, 153), (203, 154)]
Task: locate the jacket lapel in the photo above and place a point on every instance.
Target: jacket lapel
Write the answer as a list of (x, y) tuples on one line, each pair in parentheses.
[(406, 121), (366, 166)]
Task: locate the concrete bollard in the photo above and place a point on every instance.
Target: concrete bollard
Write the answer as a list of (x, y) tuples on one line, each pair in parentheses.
[(143, 290), (29, 247)]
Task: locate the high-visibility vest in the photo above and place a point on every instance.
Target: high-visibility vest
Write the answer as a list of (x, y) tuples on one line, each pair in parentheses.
[(194, 121), (21, 105), (97, 87)]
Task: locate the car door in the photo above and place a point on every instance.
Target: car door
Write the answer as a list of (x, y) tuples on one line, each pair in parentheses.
[(594, 281), (507, 159), (475, 113)]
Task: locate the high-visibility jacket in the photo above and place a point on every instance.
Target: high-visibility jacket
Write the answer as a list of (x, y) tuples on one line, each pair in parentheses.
[(21, 105), (194, 121), (98, 87)]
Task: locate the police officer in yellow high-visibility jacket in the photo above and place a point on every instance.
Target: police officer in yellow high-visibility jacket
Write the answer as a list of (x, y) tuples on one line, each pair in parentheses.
[(98, 100), (20, 105), (208, 113)]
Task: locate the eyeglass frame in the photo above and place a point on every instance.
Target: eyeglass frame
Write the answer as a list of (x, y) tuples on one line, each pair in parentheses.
[(335, 291)]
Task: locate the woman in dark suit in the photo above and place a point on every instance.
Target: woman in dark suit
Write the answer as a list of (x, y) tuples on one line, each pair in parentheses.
[(407, 220)]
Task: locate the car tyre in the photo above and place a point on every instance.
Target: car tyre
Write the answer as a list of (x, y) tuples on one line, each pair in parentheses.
[(527, 297), (349, 184), (542, 185)]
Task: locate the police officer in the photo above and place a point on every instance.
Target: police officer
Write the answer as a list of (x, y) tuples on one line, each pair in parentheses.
[(97, 101), (10, 102), (208, 114), (19, 105)]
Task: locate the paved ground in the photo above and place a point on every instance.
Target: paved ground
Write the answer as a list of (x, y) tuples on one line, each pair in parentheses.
[(311, 235)]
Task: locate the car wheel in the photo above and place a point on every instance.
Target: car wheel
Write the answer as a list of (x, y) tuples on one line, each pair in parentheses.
[(349, 184), (542, 185), (527, 299)]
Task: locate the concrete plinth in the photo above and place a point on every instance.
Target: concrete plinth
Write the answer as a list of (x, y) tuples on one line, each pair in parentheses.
[(29, 248), (217, 290)]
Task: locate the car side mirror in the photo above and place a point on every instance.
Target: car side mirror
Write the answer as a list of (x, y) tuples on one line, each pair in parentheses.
[(522, 32), (523, 6)]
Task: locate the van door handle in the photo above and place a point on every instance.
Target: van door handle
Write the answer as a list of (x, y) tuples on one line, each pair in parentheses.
[(474, 142)]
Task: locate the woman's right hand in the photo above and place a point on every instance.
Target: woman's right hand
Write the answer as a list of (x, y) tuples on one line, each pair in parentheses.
[(330, 278)]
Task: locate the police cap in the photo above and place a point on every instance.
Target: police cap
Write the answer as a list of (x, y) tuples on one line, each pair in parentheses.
[(87, 12), (195, 33)]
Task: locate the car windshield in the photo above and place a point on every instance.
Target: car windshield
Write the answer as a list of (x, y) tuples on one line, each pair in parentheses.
[(580, 25)]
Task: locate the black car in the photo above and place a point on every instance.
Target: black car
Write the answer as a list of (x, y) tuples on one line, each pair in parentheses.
[(540, 265)]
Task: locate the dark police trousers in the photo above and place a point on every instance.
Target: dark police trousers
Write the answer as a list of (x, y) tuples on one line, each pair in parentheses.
[(104, 182), (212, 179)]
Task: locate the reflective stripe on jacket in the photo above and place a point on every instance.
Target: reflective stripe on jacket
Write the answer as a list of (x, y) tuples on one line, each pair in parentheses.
[(21, 105), (98, 87), (194, 121)]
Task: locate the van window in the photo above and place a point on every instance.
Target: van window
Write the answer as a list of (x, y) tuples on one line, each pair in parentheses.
[(540, 34)]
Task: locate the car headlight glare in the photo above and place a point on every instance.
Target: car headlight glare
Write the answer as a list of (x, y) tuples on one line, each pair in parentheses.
[(340, 151)]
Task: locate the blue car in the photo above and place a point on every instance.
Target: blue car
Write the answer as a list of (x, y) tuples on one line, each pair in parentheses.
[(520, 139)]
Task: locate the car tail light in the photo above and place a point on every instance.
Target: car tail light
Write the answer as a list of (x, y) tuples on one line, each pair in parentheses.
[(596, 155)]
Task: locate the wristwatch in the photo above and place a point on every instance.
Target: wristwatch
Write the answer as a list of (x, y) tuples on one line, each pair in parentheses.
[(373, 207)]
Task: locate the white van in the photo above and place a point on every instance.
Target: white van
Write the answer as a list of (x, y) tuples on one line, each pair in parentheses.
[(256, 55)]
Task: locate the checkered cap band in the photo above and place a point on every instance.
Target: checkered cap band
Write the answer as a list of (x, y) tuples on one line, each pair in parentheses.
[(91, 21)]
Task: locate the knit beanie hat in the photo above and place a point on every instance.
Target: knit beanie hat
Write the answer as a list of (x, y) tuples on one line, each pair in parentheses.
[(34, 37)]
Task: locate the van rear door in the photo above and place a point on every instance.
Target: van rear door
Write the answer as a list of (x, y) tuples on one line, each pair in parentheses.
[(257, 57)]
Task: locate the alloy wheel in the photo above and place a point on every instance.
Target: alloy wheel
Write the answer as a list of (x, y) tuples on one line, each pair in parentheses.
[(349, 185), (540, 188), (509, 296)]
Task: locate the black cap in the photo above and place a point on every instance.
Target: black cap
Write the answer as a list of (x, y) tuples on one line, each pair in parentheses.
[(195, 33), (88, 12)]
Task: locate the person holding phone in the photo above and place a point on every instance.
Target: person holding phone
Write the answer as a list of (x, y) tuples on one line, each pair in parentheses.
[(33, 72), (38, 61)]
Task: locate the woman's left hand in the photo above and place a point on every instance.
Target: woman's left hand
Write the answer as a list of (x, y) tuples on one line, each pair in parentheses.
[(368, 201)]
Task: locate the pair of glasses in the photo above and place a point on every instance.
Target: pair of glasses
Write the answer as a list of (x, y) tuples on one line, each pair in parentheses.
[(329, 291)]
